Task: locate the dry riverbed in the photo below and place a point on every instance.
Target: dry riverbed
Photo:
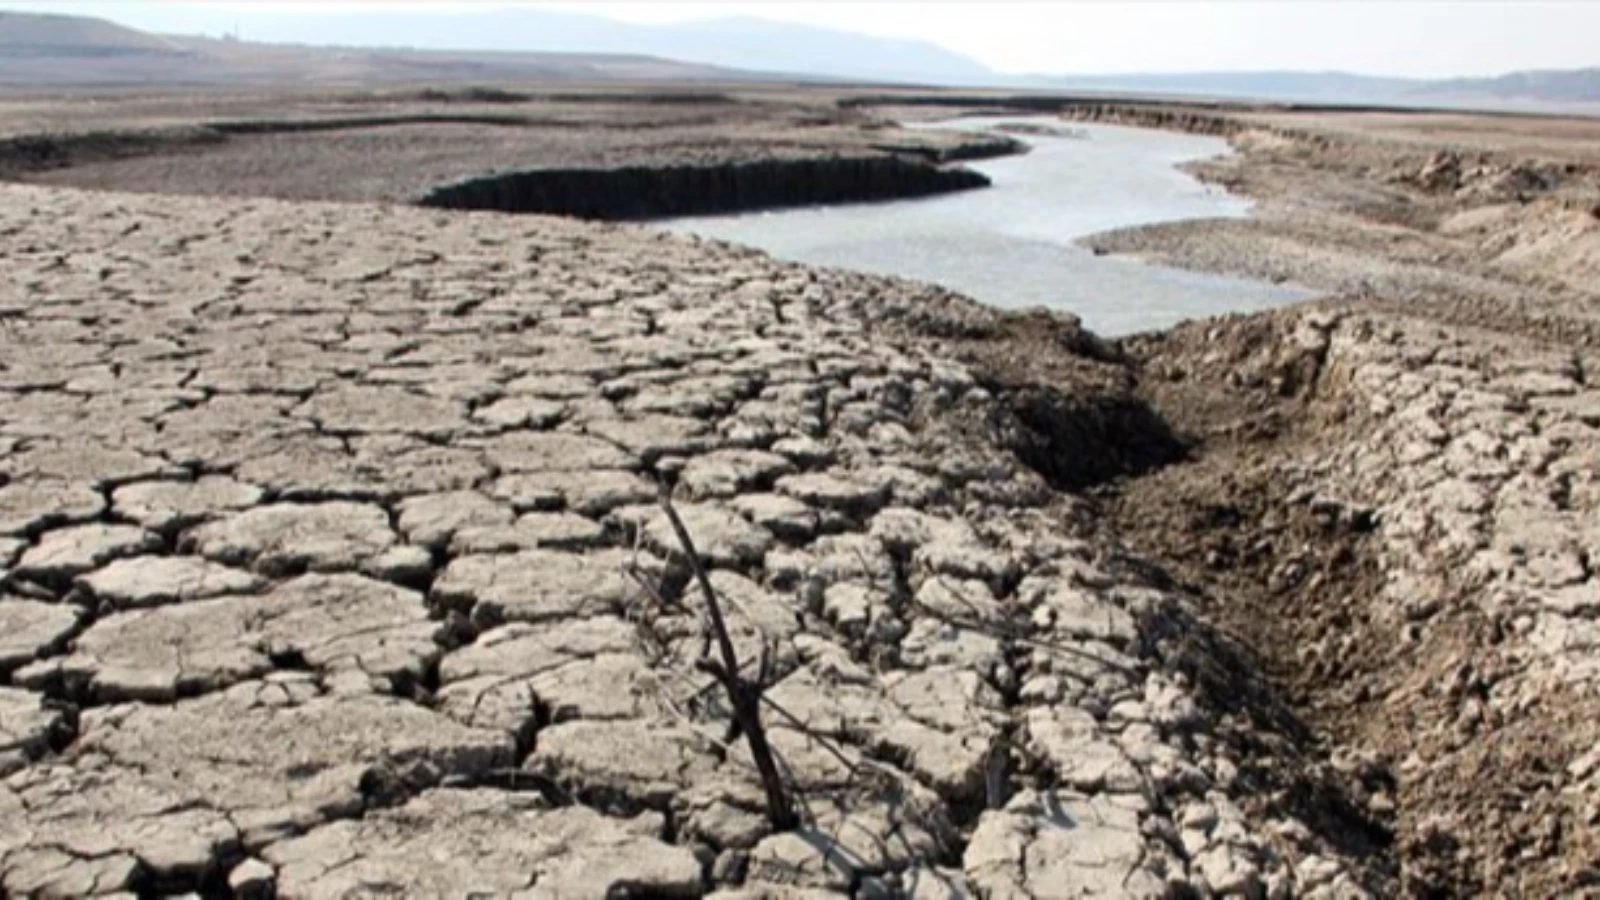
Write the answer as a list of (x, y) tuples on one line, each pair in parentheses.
[(319, 523), (330, 557)]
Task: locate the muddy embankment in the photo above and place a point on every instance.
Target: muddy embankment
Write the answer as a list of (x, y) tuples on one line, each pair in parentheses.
[(705, 169), (646, 192), (25, 154), (1392, 493)]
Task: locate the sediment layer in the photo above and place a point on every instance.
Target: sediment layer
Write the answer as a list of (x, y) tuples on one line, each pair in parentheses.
[(569, 154), (639, 192)]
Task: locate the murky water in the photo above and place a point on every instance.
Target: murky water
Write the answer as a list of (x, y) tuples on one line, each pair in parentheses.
[(1011, 245)]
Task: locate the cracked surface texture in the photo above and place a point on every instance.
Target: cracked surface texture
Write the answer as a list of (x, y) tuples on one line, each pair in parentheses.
[(352, 576)]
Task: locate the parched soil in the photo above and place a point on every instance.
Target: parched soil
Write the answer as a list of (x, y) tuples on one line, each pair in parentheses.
[(330, 554), (400, 148), (1368, 596), (1391, 498)]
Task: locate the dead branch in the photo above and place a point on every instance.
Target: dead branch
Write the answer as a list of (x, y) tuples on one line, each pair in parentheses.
[(744, 696)]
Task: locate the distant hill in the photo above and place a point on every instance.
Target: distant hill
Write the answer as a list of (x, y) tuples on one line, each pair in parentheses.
[(749, 44), (47, 51), (1576, 90), (40, 34), (1568, 86), (524, 44), (1302, 86)]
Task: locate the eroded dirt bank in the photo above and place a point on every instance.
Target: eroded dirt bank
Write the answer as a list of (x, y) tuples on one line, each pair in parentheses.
[(605, 155), (1392, 495), (1388, 496), (1400, 523), (654, 192)]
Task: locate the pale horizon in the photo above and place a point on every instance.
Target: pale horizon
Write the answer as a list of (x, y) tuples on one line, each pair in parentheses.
[(1399, 39)]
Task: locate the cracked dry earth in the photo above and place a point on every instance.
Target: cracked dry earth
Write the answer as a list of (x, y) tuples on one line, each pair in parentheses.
[(332, 566), (1479, 461), (1422, 497)]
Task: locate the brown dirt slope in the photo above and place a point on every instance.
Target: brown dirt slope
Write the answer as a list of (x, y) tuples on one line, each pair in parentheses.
[(1392, 500)]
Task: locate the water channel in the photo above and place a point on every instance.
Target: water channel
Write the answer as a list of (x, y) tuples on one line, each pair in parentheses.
[(1012, 245)]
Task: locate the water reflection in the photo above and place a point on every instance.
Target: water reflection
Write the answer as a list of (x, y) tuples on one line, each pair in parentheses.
[(1011, 245)]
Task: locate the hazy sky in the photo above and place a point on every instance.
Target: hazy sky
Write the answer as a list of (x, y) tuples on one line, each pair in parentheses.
[(1467, 37)]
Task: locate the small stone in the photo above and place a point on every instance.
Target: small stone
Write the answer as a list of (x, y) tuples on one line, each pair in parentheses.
[(470, 843), (362, 409), (787, 518), (432, 519), (537, 585), (176, 787), (1229, 872), (400, 565), (925, 882), (1073, 611), (839, 849), (721, 536), (85, 463), (522, 412), (26, 729), (519, 675), (553, 386), (831, 492), (852, 607), (727, 473), (970, 603), (253, 879), (332, 624), (1082, 756), (647, 762), (558, 530), (808, 453), (1040, 841), (652, 437), (553, 451), (589, 493), (966, 560)]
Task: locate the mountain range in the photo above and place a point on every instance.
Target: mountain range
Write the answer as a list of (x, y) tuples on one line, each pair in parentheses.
[(521, 43), (1573, 88), (746, 43)]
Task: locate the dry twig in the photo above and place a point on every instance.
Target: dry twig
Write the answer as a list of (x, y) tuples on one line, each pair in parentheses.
[(744, 695)]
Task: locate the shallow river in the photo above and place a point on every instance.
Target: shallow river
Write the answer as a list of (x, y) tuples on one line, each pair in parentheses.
[(1011, 245)]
